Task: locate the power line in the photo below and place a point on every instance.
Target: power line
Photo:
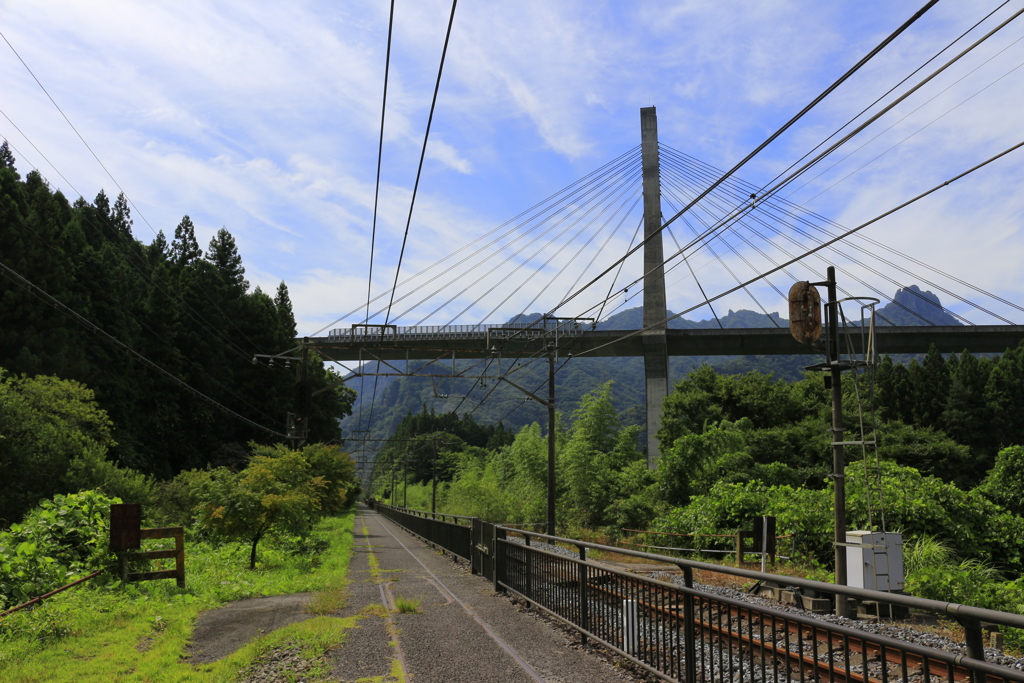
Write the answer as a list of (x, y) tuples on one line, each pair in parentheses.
[(380, 157), (106, 170), (423, 154), (761, 196), (823, 245), (142, 266), (23, 282), (917, 15), (376, 196), (140, 323), (796, 215)]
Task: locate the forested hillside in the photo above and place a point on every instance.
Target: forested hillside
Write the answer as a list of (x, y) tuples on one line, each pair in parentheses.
[(189, 311), (950, 467), (393, 398)]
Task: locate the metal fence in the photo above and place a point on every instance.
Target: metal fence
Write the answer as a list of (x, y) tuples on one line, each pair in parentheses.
[(453, 536), (682, 633)]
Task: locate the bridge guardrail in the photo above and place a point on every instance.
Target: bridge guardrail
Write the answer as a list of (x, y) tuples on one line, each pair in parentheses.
[(455, 331), (681, 633)]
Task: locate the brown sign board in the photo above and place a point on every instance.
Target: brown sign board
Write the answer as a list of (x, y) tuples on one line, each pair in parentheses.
[(804, 312), (125, 527)]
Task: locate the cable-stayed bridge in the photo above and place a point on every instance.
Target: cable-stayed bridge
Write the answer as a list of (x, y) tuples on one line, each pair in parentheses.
[(577, 235)]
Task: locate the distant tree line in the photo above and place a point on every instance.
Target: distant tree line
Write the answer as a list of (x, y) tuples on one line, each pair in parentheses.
[(978, 401), (189, 311)]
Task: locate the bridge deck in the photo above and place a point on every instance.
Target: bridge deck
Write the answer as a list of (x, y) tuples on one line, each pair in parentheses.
[(469, 343)]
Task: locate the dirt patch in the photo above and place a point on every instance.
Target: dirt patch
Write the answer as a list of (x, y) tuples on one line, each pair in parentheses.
[(224, 630)]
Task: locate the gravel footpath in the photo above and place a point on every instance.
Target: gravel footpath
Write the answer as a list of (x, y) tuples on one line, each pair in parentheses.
[(465, 631)]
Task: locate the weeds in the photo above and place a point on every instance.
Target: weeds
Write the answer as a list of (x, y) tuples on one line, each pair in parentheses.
[(89, 633), (407, 605)]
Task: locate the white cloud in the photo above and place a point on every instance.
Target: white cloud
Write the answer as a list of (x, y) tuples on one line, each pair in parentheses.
[(448, 155), (266, 121)]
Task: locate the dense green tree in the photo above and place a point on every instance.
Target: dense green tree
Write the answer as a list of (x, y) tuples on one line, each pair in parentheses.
[(7, 159), (223, 254), (588, 467), (185, 248), (1004, 484), (930, 386), (191, 316), (705, 397), (283, 305), (276, 493), (1004, 396), (966, 417), (690, 465), (929, 451), (45, 424)]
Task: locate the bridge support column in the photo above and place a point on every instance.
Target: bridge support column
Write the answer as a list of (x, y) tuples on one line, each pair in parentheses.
[(655, 311)]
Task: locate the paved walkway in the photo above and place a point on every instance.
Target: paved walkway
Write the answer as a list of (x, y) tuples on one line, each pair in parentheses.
[(463, 631)]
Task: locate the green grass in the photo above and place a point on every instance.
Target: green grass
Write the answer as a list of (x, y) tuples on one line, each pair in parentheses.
[(407, 605), (138, 632)]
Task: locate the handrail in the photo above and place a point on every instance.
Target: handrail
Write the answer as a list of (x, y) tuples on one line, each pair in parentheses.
[(51, 593)]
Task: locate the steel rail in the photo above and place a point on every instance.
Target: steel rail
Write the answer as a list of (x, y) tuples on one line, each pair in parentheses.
[(911, 658)]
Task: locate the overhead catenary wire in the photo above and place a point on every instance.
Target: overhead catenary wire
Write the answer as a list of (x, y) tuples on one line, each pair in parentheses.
[(423, 154), (777, 187), (380, 158), (602, 184), (760, 147), (376, 192), (890, 90), (908, 137)]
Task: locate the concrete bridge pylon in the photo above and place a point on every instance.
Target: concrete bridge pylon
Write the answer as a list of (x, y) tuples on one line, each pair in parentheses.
[(655, 307)]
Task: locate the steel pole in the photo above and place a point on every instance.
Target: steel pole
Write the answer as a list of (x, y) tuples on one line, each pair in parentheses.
[(838, 456), (551, 441)]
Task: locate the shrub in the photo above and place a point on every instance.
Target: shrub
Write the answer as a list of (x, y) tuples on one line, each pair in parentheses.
[(61, 540)]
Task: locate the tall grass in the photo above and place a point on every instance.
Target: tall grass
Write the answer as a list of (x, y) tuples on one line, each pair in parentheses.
[(139, 632)]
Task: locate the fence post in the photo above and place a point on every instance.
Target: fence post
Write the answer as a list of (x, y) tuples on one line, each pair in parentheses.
[(584, 608), (689, 628), (475, 537), (529, 569), (974, 639), (179, 558), (497, 564)]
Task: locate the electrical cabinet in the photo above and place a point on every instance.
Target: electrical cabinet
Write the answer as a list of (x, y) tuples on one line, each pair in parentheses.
[(874, 560)]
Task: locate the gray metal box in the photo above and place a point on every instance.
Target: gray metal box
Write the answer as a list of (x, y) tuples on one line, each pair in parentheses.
[(874, 560)]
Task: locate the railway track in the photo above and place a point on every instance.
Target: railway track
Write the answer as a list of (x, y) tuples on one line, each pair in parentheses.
[(769, 643)]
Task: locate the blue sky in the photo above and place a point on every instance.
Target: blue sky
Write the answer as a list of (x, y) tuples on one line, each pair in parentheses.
[(263, 118)]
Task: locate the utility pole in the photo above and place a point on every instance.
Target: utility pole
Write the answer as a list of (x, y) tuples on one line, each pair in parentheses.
[(551, 438), (838, 456), (303, 397), (405, 481), (433, 480)]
